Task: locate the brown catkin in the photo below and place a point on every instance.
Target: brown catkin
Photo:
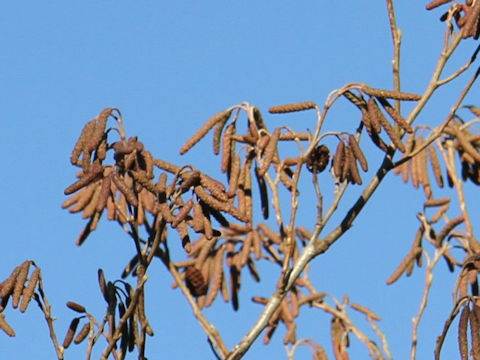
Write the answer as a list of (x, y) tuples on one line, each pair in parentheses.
[(76, 307), (29, 290), (403, 265), (437, 171), (338, 159), (204, 130), (218, 205), (105, 192), (390, 94), (184, 237), (227, 145), (70, 333), (217, 133), (286, 108), (103, 284), (87, 178), (182, 214), (82, 334), (439, 213), (234, 176), (142, 178), (270, 151), (357, 152), (436, 202), (352, 166), (90, 209), (449, 226), (5, 326), (216, 188), (257, 244), (394, 114), (125, 189), (369, 313), (6, 287), (189, 179), (462, 332), (356, 100), (20, 282), (197, 220), (83, 198), (376, 116), (262, 186), (391, 132), (475, 334), (216, 284)]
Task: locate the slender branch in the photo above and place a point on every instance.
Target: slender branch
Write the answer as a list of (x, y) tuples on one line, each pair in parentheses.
[(396, 39), (426, 290)]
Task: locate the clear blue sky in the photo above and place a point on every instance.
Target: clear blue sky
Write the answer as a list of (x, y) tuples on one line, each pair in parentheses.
[(168, 67)]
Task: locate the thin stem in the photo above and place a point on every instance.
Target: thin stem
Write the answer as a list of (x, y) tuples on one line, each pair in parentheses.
[(396, 39)]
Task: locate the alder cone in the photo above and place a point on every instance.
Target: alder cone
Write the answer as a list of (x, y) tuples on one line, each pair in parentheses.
[(318, 159), (195, 281)]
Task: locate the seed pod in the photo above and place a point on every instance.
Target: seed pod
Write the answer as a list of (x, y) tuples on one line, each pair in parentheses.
[(449, 226), (270, 151), (76, 307), (395, 115), (435, 165), (338, 160), (195, 281), (5, 326), (390, 94), (462, 332), (20, 282), (82, 333), (204, 130), (70, 333), (287, 108), (93, 174), (318, 159), (29, 290), (357, 152)]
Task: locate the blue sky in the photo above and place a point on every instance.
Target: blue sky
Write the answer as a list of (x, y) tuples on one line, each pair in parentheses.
[(169, 67)]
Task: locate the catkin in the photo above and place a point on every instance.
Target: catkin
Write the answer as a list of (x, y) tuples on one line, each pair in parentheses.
[(80, 199), (403, 265), (287, 108), (449, 226), (76, 307), (125, 190), (436, 202), (394, 114), (90, 209), (376, 116), (5, 326), (439, 213), (182, 214), (357, 152), (391, 132), (352, 166), (356, 100), (82, 334), (338, 160), (217, 276), (216, 188), (227, 145), (217, 133), (218, 205), (390, 94), (6, 287), (204, 130), (437, 171), (369, 313), (70, 333), (270, 151), (85, 135), (262, 186), (20, 282), (462, 332), (29, 290), (88, 177)]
